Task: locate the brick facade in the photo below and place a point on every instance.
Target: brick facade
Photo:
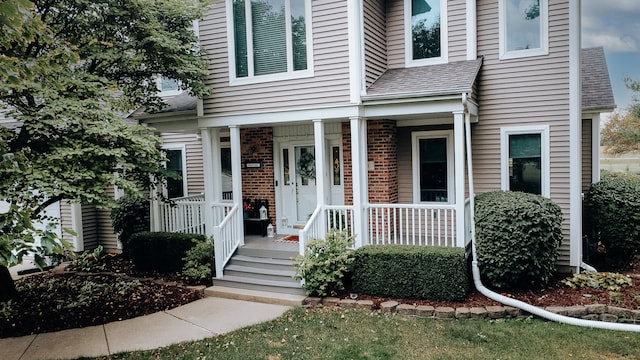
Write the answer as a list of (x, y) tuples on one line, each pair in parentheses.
[(381, 148), (257, 145), (347, 167)]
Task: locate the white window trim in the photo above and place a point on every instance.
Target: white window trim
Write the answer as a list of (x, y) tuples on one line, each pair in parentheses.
[(183, 149), (408, 38), (415, 164), (544, 33), (253, 79), (543, 130), (162, 93)]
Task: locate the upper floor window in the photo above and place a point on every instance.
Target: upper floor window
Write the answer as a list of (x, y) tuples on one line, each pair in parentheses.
[(425, 32), (525, 159), (168, 86), (523, 28), (271, 40)]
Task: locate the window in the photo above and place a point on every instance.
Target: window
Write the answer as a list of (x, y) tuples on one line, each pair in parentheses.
[(426, 32), (525, 159), (227, 173), (433, 166), (270, 40), (176, 162), (523, 28)]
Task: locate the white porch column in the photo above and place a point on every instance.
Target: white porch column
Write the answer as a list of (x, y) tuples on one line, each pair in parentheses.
[(77, 226), (359, 174), (458, 136), (320, 157), (209, 193), (236, 174)]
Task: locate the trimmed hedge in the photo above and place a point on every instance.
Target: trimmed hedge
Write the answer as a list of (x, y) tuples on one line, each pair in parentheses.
[(614, 208), (161, 251), (517, 238), (413, 272)]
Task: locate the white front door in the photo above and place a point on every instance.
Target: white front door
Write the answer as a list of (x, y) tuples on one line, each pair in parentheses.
[(305, 183), (298, 186)]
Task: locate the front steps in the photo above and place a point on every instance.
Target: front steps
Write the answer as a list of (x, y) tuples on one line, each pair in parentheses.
[(260, 275)]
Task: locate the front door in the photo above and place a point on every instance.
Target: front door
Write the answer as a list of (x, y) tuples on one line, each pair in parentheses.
[(298, 191)]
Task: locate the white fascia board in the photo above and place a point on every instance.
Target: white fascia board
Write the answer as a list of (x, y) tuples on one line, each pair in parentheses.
[(414, 108), (279, 117)]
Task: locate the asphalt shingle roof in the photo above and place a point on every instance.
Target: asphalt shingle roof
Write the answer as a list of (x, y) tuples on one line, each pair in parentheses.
[(596, 84), (452, 78)]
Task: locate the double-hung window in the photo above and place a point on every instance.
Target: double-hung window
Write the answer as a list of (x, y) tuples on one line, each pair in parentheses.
[(425, 32), (525, 159), (523, 28), (432, 155), (271, 40)]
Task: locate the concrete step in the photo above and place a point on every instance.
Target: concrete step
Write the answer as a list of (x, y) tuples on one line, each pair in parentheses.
[(250, 283), (267, 297), (261, 262), (266, 253), (284, 273)]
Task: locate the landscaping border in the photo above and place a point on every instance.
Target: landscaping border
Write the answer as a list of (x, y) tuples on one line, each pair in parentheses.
[(599, 312)]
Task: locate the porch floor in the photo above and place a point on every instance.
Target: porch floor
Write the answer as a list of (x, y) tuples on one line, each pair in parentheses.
[(267, 243)]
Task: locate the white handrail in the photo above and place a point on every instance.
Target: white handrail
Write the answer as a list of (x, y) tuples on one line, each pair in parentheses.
[(227, 237)]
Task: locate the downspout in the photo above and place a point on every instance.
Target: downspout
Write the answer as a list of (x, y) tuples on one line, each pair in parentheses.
[(475, 270)]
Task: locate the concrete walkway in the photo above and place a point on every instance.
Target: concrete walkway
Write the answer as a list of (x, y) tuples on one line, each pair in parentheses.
[(197, 320)]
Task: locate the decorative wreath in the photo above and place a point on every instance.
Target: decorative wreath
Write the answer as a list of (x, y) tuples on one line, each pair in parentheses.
[(306, 166)]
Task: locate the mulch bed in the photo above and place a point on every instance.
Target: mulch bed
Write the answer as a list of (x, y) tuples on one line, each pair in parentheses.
[(50, 301), (47, 302)]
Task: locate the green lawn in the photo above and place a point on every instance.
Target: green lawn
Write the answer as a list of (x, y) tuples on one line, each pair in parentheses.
[(334, 333)]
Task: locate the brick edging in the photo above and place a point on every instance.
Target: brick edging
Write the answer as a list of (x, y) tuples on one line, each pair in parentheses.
[(600, 312)]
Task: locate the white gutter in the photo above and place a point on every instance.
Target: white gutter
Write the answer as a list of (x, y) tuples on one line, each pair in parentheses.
[(475, 270)]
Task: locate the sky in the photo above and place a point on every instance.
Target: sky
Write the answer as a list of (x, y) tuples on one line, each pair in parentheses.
[(615, 25)]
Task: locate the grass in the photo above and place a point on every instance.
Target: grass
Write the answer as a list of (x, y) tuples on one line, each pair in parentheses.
[(335, 333)]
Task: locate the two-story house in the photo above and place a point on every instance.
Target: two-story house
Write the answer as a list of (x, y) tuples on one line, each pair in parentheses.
[(379, 116)]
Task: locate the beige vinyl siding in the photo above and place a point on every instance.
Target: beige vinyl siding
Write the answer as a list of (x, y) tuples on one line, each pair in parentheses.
[(375, 40), (89, 227), (329, 85), (456, 39), (457, 23), (193, 150), (66, 219), (587, 170), (106, 236), (524, 92)]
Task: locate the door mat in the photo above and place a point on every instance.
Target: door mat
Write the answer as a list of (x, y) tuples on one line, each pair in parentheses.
[(291, 238)]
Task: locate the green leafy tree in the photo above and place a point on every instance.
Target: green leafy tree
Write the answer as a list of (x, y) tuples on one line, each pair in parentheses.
[(70, 70), (621, 134)]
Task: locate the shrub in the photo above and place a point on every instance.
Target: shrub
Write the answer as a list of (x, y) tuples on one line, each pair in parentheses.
[(130, 216), (89, 261), (598, 280), (407, 271), (198, 262), (517, 238), (325, 263), (161, 251), (614, 208)]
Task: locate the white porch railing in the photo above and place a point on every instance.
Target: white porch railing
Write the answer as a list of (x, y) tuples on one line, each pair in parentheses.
[(412, 224), (185, 215), (337, 217), (227, 235)]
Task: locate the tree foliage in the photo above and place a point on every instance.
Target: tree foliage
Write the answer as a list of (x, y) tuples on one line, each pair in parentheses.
[(621, 134), (70, 70)]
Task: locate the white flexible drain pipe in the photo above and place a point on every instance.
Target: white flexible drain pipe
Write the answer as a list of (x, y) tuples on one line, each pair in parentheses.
[(534, 310)]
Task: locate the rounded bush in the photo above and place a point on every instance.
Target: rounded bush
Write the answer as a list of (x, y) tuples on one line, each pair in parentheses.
[(517, 238), (614, 207)]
